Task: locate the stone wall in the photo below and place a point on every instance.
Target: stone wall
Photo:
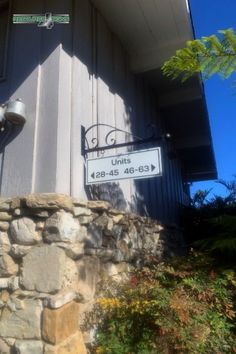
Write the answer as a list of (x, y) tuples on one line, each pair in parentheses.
[(53, 251)]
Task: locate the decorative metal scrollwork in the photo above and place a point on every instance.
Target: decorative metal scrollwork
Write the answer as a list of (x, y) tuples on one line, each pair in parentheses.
[(110, 142)]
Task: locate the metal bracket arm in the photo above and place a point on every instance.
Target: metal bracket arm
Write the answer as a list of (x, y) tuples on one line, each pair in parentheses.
[(110, 142)]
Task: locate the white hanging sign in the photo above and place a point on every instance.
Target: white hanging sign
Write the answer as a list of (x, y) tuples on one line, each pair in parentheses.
[(135, 165)]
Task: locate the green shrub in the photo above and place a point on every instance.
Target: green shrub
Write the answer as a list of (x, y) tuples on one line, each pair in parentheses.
[(210, 224), (183, 306)]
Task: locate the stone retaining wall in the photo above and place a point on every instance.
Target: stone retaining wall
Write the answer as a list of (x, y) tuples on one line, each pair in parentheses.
[(53, 251)]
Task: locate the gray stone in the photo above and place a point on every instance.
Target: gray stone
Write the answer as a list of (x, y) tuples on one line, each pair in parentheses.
[(102, 221), (51, 201), (85, 220), (12, 306), (19, 251), (123, 247), (150, 242), (29, 294), (134, 237), (4, 225), (13, 283), (5, 204), (60, 299), (79, 202), (117, 232), (94, 236), (105, 254), (28, 347), (4, 296), (148, 230), (40, 225), (5, 244), (9, 283), (5, 216), (23, 231), (72, 250), (157, 228), (117, 218), (73, 344), (82, 211), (98, 205), (116, 212), (7, 266), (10, 341), (91, 251), (4, 348), (62, 227), (108, 241), (120, 257), (88, 268), (23, 323), (18, 212), (110, 224), (15, 203), (112, 270), (4, 283), (47, 269)]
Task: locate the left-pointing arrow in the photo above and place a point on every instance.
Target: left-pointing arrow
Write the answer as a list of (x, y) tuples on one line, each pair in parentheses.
[(93, 175)]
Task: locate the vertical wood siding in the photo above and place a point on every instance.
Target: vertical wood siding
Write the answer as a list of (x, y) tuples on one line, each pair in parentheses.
[(71, 76)]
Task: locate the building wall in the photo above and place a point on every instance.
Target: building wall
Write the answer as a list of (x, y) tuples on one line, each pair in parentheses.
[(75, 75)]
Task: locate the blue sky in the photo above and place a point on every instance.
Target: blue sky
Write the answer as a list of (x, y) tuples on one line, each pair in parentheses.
[(209, 16)]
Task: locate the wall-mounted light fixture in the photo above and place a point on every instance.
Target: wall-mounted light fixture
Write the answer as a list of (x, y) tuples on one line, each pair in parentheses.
[(13, 111)]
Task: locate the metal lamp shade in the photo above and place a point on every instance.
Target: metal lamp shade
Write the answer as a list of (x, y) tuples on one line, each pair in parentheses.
[(16, 112), (2, 114)]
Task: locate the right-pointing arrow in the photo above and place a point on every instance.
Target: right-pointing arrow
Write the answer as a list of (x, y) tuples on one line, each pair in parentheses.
[(153, 167)]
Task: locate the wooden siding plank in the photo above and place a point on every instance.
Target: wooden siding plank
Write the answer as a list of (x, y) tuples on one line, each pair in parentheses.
[(82, 91), (64, 124), (46, 149), (121, 114)]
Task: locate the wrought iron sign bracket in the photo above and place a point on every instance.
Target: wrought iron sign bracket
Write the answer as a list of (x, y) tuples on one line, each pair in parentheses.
[(110, 141)]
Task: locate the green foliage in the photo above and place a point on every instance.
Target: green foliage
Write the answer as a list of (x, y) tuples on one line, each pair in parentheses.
[(223, 229), (183, 306), (208, 55), (211, 224)]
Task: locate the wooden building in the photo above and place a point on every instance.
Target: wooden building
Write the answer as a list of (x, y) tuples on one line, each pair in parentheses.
[(102, 67)]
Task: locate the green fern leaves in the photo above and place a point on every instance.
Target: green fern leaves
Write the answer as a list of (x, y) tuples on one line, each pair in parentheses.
[(208, 55)]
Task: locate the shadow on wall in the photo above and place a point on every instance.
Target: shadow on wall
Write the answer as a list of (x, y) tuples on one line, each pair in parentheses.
[(113, 193), (110, 192), (9, 133), (6, 136)]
